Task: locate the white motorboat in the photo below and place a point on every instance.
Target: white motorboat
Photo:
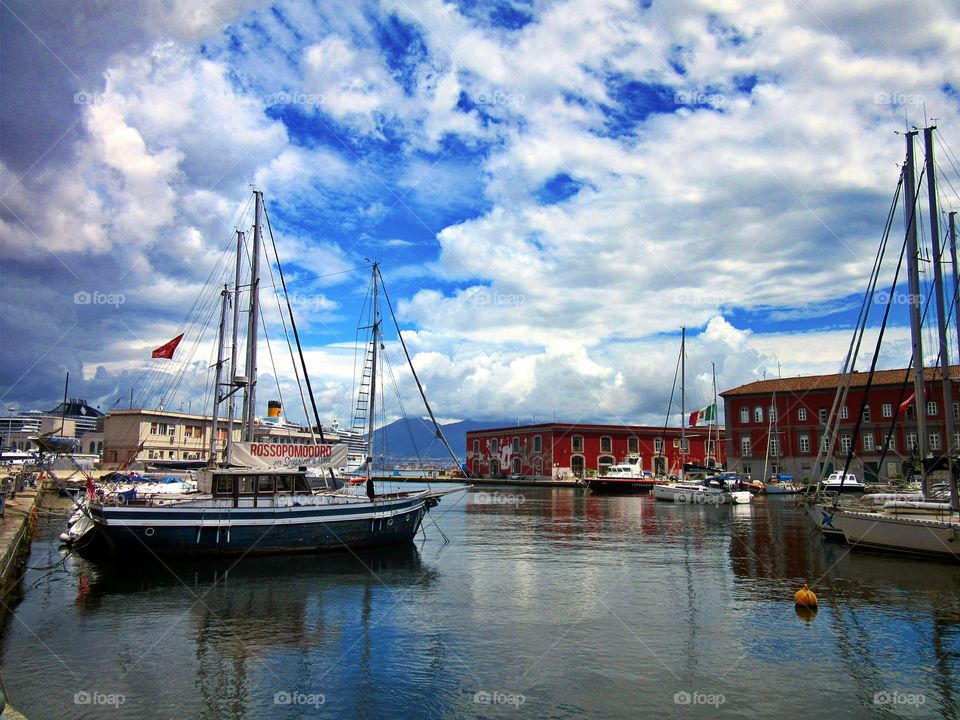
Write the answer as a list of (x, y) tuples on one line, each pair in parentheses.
[(698, 494)]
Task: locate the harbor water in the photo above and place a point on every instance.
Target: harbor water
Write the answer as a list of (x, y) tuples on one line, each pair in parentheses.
[(545, 602)]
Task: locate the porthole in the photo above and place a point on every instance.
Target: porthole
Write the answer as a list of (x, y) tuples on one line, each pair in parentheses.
[(148, 532)]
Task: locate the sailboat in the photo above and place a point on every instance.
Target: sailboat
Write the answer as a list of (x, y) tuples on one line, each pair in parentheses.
[(259, 498), (910, 526), (716, 490)]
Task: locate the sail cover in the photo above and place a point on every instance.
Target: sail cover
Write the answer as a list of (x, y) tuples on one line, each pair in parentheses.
[(290, 455)]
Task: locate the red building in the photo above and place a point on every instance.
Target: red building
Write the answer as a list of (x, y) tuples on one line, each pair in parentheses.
[(561, 450), (778, 424)]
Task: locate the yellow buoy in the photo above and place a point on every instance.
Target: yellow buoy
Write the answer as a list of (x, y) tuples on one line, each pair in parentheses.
[(804, 597)]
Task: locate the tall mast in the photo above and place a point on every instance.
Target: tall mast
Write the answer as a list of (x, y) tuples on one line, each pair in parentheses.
[(683, 389), (913, 275), (945, 383), (218, 377), (956, 277), (250, 400), (716, 420), (373, 378), (234, 350)]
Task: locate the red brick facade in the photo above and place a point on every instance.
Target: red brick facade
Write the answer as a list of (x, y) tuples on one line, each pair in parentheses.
[(789, 442), (556, 450)]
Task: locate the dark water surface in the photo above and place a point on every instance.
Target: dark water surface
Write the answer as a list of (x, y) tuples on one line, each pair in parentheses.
[(545, 603)]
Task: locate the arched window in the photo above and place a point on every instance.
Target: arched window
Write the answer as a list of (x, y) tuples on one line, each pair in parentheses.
[(494, 468), (758, 414), (516, 466), (577, 465), (538, 466), (604, 462)]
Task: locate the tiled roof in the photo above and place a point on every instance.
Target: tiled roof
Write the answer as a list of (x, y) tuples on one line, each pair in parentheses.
[(830, 382)]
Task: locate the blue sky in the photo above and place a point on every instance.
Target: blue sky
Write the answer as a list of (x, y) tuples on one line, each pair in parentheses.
[(552, 189)]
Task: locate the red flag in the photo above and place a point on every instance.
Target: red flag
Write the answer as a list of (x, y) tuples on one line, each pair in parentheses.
[(91, 494), (906, 403), (166, 351)]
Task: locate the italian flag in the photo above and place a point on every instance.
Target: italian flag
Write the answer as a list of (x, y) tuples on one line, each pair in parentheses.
[(708, 413)]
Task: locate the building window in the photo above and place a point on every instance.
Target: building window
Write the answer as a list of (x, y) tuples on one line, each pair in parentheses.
[(606, 444), (804, 443), (747, 469), (744, 415), (824, 441), (932, 407), (822, 414), (868, 444), (775, 446), (633, 445), (773, 413), (758, 414), (844, 412), (956, 411), (911, 441), (934, 441), (537, 444), (908, 414), (537, 466), (516, 466), (866, 413), (576, 444), (802, 414), (886, 410), (845, 443), (746, 449), (153, 430), (604, 462), (476, 446), (515, 445), (494, 445), (658, 445), (956, 442), (891, 442)]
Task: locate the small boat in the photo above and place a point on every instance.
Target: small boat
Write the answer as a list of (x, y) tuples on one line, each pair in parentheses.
[(624, 478), (782, 485), (836, 482), (717, 492)]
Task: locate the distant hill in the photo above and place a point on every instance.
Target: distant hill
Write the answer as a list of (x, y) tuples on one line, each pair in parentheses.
[(415, 437)]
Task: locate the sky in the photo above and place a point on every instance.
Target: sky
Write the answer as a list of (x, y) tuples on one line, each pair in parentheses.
[(552, 189)]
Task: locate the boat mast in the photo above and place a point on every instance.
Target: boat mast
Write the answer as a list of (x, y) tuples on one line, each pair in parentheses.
[(945, 383), (218, 376), (250, 399), (373, 381), (716, 423), (956, 278), (232, 405), (683, 408), (913, 275)]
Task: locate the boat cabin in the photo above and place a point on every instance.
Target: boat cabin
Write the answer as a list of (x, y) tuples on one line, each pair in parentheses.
[(252, 483)]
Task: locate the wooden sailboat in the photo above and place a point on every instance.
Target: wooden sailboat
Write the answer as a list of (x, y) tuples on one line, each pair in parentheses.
[(265, 504)]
